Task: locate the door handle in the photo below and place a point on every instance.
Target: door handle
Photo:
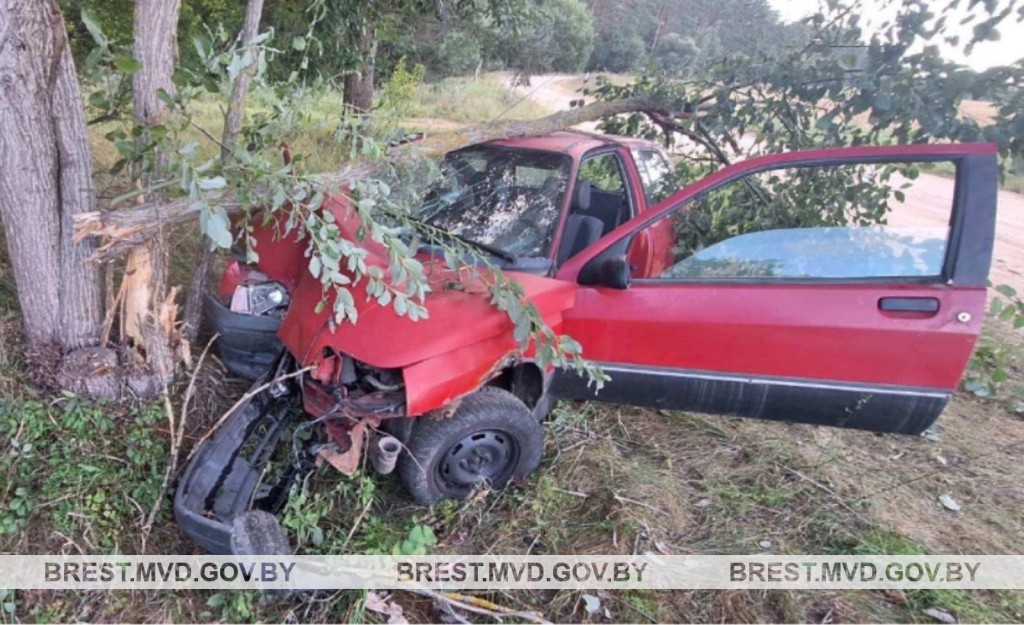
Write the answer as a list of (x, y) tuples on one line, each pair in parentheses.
[(909, 304)]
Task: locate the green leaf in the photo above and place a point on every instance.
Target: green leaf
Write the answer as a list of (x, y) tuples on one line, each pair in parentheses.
[(299, 43), (218, 228), (1007, 290), (212, 184), (93, 26), (127, 65)]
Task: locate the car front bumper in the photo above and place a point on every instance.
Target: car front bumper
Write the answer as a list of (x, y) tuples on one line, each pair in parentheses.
[(224, 479)]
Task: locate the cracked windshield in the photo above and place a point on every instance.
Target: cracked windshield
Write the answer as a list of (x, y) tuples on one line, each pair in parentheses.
[(503, 198)]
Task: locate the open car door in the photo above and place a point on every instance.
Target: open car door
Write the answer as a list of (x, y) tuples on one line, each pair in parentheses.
[(838, 287)]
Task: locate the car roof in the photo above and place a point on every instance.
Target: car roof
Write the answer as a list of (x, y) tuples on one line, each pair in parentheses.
[(571, 142)]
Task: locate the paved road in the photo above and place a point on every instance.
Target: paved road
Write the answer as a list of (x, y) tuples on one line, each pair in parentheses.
[(927, 201)]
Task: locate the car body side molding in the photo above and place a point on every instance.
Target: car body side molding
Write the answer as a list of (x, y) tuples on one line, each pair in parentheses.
[(880, 408)]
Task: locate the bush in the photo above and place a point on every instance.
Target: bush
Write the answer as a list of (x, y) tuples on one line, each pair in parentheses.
[(400, 88)]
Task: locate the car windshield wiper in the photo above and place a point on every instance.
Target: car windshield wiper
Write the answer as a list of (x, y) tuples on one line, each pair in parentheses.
[(497, 252)]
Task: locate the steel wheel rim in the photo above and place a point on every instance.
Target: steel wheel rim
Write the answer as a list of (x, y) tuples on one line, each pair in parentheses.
[(483, 456)]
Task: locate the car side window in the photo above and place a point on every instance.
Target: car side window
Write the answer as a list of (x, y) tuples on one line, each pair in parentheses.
[(604, 173), (824, 222), (655, 173), (601, 193)]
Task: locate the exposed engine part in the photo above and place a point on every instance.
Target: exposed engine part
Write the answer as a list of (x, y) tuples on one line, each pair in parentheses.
[(348, 371), (381, 386), (384, 455), (260, 298)]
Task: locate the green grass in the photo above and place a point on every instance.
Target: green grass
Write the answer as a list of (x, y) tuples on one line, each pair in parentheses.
[(472, 100)]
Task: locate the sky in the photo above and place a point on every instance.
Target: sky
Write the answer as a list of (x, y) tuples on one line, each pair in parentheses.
[(987, 54)]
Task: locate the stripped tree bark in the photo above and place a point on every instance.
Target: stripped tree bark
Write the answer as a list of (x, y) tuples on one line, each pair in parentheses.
[(45, 180), (124, 229), (232, 126), (149, 309)]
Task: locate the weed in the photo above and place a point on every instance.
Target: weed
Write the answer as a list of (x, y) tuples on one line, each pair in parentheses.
[(88, 473)]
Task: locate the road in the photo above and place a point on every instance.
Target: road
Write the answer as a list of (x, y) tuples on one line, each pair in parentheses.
[(927, 200)]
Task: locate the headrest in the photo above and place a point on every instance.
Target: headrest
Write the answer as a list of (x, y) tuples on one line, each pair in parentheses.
[(581, 196)]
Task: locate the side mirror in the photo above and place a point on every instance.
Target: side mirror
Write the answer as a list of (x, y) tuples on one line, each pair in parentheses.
[(611, 271)]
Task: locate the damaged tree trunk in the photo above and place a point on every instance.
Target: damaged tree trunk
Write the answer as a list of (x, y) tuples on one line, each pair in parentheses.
[(232, 126), (122, 230), (149, 309), (45, 181)]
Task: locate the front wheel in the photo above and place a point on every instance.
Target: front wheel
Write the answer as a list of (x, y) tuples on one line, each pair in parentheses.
[(492, 438)]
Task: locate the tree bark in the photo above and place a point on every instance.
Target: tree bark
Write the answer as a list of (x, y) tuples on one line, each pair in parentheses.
[(81, 293), (45, 179), (358, 96), (124, 229), (232, 126), (146, 297)]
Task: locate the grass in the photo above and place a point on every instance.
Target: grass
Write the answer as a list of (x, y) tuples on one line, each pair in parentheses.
[(614, 480), (449, 100)]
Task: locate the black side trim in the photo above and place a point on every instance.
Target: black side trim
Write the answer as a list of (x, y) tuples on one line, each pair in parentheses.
[(974, 221), (879, 408)]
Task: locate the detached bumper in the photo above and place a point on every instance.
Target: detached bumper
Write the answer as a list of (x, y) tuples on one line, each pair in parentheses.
[(248, 344), (223, 480)]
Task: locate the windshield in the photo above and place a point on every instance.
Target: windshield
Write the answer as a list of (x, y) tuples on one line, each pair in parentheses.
[(505, 198)]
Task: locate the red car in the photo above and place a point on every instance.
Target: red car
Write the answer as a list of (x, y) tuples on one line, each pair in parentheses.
[(816, 316)]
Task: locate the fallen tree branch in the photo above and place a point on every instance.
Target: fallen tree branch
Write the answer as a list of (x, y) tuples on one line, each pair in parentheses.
[(125, 229)]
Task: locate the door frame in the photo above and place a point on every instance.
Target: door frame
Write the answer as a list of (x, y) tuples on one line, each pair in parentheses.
[(969, 253)]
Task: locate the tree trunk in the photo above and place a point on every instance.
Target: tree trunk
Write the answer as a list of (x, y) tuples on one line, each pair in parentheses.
[(45, 180), (232, 126), (147, 302), (236, 106), (358, 96)]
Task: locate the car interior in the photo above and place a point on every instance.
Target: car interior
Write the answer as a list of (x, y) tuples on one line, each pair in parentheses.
[(594, 212)]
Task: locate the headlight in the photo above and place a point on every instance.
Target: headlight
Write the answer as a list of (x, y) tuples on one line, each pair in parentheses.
[(259, 299)]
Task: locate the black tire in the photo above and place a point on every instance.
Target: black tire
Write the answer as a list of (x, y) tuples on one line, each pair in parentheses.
[(492, 436)]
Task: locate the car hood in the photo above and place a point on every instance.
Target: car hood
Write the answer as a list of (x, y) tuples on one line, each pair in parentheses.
[(459, 308)]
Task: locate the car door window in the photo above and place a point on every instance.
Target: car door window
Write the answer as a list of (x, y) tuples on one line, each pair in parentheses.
[(809, 223)]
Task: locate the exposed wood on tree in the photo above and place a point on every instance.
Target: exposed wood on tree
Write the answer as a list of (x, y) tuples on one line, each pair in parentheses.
[(46, 179), (122, 230), (146, 298), (232, 126)]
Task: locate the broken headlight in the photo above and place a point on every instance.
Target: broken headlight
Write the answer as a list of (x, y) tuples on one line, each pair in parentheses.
[(260, 299)]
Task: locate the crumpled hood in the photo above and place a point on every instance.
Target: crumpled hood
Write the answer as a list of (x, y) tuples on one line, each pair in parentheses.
[(460, 314)]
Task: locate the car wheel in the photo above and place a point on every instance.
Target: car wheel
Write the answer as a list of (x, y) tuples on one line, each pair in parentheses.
[(492, 438)]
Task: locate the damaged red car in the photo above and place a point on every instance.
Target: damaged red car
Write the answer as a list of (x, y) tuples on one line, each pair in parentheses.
[(820, 314)]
